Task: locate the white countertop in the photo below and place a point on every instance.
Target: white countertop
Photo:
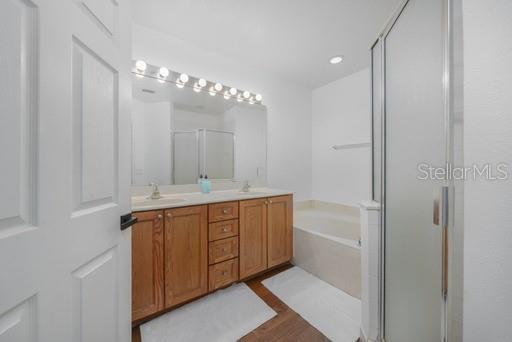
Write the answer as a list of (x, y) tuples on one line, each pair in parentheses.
[(142, 203)]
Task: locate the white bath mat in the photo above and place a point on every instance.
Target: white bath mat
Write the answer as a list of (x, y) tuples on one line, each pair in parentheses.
[(223, 316), (333, 312)]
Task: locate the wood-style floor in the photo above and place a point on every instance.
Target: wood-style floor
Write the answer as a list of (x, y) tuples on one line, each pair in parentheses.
[(287, 325)]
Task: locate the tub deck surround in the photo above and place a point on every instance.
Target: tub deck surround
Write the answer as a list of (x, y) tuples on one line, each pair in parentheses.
[(326, 243), (176, 200)]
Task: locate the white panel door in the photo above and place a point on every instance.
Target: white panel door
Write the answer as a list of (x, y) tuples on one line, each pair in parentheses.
[(64, 170)]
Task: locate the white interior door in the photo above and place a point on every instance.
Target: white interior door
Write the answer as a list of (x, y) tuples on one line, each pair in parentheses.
[(64, 170)]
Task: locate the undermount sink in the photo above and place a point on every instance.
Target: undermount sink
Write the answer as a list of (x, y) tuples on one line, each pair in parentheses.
[(143, 201), (250, 193)]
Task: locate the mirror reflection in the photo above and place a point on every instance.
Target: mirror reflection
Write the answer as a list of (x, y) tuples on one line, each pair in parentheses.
[(180, 134)]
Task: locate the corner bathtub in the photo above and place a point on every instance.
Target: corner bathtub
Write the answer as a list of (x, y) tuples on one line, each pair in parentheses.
[(326, 243)]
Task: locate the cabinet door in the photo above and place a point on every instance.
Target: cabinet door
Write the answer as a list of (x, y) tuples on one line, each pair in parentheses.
[(253, 237), (280, 230), (147, 264), (186, 254)]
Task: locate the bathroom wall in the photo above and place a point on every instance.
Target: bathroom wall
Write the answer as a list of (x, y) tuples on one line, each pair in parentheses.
[(288, 104), (151, 122), (341, 115), (186, 120), (487, 139), (250, 133)]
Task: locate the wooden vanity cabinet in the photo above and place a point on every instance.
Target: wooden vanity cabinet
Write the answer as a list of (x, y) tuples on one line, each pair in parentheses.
[(266, 230), (185, 254), (147, 264), (253, 236), (280, 230)]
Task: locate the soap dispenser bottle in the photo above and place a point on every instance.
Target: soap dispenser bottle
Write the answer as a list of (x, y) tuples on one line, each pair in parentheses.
[(200, 179), (206, 185)]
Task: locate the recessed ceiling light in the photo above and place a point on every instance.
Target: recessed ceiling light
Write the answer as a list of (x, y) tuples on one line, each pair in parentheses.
[(336, 59)]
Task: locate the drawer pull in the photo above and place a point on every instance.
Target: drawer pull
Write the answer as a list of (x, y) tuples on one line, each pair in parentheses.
[(225, 229), (169, 215), (224, 273), (159, 217), (225, 249), (225, 211)]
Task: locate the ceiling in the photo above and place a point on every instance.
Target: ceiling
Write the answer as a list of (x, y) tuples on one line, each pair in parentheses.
[(293, 39)]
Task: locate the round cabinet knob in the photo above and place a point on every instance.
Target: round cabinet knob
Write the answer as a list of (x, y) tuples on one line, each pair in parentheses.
[(270, 201), (225, 229), (224, 249), (225, 211), (224, 273), (169, 215), (159, 216), (266, 202)]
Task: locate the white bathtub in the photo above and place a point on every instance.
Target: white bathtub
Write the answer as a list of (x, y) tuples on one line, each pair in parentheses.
[(326, 243)]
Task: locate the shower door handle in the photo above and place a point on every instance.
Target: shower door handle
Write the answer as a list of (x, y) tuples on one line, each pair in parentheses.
[(440, 216), (441, 219)]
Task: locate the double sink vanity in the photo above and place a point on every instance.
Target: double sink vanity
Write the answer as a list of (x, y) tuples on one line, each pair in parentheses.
[(187, 245), (187, 131)]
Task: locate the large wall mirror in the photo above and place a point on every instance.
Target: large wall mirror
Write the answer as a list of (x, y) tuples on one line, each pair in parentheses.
[(180, 133)]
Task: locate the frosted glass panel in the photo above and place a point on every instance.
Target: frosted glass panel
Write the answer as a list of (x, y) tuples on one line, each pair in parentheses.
[(185, 158), (219, 154), (414, 135)]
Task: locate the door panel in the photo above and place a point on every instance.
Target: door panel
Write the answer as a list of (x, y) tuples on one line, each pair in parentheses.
[(280, 230), (186, 254), (415, 128), (65, 89), (253, 237), (147, 264)]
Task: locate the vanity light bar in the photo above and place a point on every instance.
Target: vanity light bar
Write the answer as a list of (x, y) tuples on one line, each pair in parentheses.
[(162, 74)]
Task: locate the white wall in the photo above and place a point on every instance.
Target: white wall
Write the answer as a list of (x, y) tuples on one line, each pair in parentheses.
[(289, 105), (151, 142), (487, 138), (249, 125), (186, 120), (341, 115)]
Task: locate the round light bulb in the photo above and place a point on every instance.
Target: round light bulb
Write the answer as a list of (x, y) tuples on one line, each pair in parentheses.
[(212, 92), (202, 82), (226, 95), (163, 72), (233, 91), (218, 86), (179, 84), (336, 59), (246, 94), (259, 97), (184, 78), (140, 66)]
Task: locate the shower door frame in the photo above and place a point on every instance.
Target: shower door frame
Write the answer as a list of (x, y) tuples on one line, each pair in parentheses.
[(449, 156)]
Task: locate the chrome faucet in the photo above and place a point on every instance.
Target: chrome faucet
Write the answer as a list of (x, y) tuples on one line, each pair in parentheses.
[(245, 186), (155, 193)]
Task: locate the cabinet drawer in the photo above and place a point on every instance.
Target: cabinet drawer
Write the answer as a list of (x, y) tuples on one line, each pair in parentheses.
[(223, 274), (222, 250), (222, 230), (222, 211)]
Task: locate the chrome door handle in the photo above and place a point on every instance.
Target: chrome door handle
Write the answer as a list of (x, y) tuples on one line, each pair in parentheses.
[(440, 214)]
